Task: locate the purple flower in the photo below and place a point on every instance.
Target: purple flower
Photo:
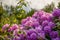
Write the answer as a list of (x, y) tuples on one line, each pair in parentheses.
[(22, 36), (45, 23), (38, 29), (13, 27), (35, 15), (47, 16), (29, 32), (5, 27), (33, 36), (41, 34), (15, 32), (28, 37), (51, 24), (16, 38), (56, 12), (56, 38), (47, 29), (54, 34), (25, 20), (21, 27), (32, 22), (38, 14)]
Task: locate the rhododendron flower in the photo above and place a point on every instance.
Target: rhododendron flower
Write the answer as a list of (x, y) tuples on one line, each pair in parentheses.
[(5, 27), (54, 34), (56, 12), (13, 27)]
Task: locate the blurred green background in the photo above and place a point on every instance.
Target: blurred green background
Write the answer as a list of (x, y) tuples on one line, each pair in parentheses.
[(11, 14)]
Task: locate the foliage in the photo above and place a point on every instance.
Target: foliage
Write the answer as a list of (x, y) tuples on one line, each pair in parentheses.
[(49, 8), (11, 15), (59, 5)]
